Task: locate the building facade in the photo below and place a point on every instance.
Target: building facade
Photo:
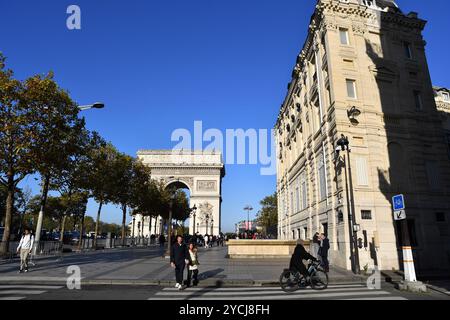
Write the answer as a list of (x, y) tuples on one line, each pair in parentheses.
[(363, 74)]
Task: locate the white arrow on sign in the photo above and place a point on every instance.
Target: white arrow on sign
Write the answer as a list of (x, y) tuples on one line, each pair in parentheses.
[(399, 215)]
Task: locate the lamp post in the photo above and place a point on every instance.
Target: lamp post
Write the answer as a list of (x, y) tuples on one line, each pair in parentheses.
[(37, 235), (169, 226), (344, 145), (248, 208), (207, 220), (193, 210), (212, 226)]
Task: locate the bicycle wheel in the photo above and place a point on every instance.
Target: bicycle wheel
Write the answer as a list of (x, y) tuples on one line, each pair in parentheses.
[(288, 281), (319, 280)]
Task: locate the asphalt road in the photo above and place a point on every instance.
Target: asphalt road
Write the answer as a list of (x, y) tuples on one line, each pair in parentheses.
[(350, 291)]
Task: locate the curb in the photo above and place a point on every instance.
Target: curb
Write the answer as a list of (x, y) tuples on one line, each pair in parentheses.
[(162, 283), (437, 289)]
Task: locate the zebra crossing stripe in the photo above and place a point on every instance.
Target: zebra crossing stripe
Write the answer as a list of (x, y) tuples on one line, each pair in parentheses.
[(11, 298), (251, 289), (2, 287), (253, 293), (22, 292), (332, 296)]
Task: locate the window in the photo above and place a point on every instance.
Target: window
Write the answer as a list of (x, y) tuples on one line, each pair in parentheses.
[(322, 178), (407, 50), (433, 175), (446, 96), (447, 135), (351, 88), (297, 199), (305, 230), (366, 214), (418, 100), (361, 168), (440, 217), (304, 196), (292, 203), (343, 34)]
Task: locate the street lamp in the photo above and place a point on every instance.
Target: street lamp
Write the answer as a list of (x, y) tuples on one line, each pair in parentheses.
[(248, 208), (207, 220), (193, 210), (343, 144), (97, 105), (212, 226)]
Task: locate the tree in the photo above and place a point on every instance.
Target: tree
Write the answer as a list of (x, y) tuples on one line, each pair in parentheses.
[(58, 130), (18, 140), (122, 187), (268, 215), (101, 179)]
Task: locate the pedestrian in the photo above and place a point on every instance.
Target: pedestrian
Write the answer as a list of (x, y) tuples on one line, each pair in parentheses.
[(193, 265), (323, 252), (206, 241), (25, 246), (178, 260), (162, 240), (315, 246)]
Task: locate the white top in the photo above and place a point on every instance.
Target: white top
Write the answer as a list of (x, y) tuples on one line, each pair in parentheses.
[(193, 258), (26, 243)]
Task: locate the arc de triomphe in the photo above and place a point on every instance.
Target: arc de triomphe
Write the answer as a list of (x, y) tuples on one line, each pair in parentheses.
[(199, 171)]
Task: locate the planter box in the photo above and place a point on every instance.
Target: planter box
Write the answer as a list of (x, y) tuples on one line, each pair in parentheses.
[(262, 249)]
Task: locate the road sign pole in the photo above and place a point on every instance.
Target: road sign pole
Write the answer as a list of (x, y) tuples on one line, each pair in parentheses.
[(408, 259)]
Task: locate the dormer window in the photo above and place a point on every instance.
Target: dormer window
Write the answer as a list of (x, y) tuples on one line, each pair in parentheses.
[(446, 96)]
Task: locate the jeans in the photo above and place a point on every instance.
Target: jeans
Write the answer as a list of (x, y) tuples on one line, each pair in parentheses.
[(24, 253), (179, 271), (192, 275)]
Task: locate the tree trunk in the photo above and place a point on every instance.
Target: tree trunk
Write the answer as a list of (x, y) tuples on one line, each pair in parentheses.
[(63, 227), (4, 246), (37, 236), (124, 220), (97, 224), (80, 242)]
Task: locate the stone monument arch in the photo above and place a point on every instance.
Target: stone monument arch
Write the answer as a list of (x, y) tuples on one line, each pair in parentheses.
[(199, 171)]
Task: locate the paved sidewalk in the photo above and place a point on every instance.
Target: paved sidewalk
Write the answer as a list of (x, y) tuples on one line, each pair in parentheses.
[(146, 266)]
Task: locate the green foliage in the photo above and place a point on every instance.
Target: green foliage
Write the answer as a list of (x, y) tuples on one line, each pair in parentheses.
[(268, 215)]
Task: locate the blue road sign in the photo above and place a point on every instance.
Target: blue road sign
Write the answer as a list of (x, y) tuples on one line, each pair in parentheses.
[(398, 202)]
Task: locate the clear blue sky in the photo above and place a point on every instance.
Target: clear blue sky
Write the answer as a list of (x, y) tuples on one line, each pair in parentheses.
[(161, 65)]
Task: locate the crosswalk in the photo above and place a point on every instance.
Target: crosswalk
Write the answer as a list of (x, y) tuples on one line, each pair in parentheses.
[(21, 292), (333, 292)]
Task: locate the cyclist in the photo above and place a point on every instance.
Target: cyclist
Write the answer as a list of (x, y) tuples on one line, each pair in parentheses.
[(299, 255)]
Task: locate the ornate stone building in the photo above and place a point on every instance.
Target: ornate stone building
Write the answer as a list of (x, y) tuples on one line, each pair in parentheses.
[(201, 173), (363, 74)]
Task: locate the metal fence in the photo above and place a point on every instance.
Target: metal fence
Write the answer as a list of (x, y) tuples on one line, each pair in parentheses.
[(56, 248)]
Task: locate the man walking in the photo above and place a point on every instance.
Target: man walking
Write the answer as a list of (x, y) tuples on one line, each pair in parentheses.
[(25, 246), (179, 257), (323, 252)]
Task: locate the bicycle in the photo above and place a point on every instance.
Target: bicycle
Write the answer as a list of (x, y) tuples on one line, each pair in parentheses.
[(291, 281)]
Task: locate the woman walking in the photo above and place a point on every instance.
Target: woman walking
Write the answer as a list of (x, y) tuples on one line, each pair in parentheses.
[(193, 265)]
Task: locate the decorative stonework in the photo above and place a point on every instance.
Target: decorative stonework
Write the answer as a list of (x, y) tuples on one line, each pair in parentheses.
[(206, 185)]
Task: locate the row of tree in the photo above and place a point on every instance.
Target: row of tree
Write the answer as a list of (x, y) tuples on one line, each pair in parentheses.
[(42, 133)]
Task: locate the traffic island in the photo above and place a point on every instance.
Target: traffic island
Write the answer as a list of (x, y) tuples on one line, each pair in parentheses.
[(412, 286)]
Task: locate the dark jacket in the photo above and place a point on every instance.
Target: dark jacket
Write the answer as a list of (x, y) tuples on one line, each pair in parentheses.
[(323, 251), (179, 253), (299, 255)]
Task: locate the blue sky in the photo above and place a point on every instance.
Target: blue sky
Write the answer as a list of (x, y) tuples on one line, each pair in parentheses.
[(161, 65)]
